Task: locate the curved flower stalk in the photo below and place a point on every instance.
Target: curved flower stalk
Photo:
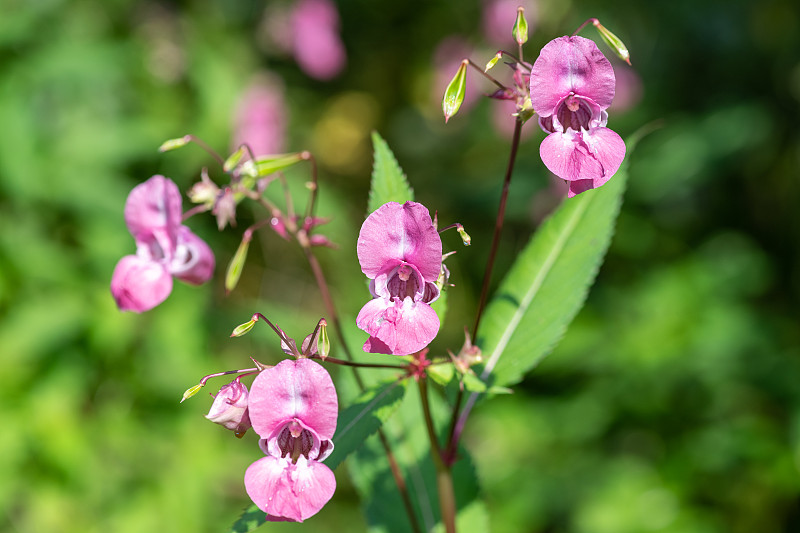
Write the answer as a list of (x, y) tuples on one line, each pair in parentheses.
[(572, 85), (294, 409), (164, 248), (401, 252)]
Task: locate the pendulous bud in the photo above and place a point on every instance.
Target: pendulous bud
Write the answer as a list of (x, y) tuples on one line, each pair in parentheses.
[(230, 408), (455, 92)]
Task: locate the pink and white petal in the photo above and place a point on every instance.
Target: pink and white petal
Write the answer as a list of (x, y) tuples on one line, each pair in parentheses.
[(566, 156), (608, 148), (417, 326), (299, 389), (156, 203), (570, 64), (268, 483), (397, 328), (193, 261), (397, 232), (139, 285), (376, 319)]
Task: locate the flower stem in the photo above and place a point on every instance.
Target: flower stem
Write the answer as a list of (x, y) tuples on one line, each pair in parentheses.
[(458, 419), (337, 327), (444, 477)]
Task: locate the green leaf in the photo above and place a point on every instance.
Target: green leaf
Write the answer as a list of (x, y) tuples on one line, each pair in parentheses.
[(363, 418), (389, 184), (406, 433), (548, 283), (251, 518)]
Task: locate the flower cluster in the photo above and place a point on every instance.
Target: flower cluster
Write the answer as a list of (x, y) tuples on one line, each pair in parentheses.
[(400, 251), (164, 248), (572, 85)]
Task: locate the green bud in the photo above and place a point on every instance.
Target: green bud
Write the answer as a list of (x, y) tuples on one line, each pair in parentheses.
[(241, 329), (234, 159), (172, 144), (191, 391), (236, 265), (465, 238), (520, 30), (323, 342), (613, 41), (265, 166), (454, 94), (493, 61)]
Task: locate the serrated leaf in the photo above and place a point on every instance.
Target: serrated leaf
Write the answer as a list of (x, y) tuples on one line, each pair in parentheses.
[(388, 184), (363, 418), (548, 283)]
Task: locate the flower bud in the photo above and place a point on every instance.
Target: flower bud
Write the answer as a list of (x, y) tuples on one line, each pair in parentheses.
[(236, 265), (191, 391), (493, 61), (241, 329), (234, 159), (455, 92), (204, 191), (520, 30), (613, 41), (225, 209), (230, 408), (172, 144), (323, 342)]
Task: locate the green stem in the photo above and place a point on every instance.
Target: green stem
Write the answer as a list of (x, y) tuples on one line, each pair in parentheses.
[(457, 421), (444, 477)]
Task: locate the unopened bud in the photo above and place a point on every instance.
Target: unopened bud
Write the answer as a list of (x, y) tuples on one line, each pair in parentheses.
[(271, 164), (323, 342), (230, 408), (172, 144), (234, 159), (236, 265), (613, 41), (520, 30), (455, 92), (191, 391), (241, 329), (493, 61), (204, 191), (465, 238)]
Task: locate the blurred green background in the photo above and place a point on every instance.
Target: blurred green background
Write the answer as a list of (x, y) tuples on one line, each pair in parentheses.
[(673, 403)]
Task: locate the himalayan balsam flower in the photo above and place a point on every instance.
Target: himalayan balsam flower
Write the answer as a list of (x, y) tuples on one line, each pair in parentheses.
[(164, 248), (230, 408), (293, 408), (401, 252), (318, 48), (572, 85)]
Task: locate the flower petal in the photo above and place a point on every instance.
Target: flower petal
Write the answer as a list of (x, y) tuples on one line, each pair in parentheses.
[(300, 389), (395, 233), (398, 328), (570, 65), (287, 491), (566, 156), (139, 285), (193, 261), (608, 148), (154, 204)]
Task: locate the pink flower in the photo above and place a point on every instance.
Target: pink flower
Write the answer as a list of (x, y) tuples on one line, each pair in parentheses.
[(317, 47), (401, 252), (164, 248), (293, 408), (230, 408), (572, 85), (260, 119)]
